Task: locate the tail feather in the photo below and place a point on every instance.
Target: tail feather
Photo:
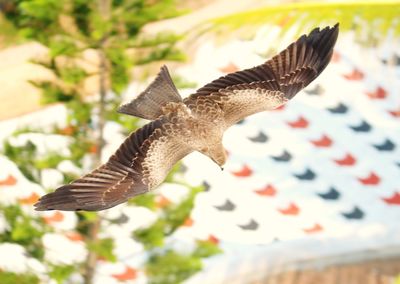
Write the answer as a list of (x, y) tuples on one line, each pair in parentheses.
[(149, 103)]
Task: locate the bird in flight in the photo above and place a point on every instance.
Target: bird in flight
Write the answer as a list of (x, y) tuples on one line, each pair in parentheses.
[(197, 123)]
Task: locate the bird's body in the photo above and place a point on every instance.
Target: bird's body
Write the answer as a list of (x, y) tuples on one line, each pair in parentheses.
[(197, 133), (197, 123)]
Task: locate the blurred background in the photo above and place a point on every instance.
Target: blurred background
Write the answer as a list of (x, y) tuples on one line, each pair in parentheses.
[(310, 192)]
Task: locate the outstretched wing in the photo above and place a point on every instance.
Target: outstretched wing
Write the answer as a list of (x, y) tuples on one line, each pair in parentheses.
[(140, 164), (271, 84)]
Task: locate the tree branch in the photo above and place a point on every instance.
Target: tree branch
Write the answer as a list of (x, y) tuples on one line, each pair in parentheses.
[(104, 8)]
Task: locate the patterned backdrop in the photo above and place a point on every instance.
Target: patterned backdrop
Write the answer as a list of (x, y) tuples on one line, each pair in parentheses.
[(317, 177)]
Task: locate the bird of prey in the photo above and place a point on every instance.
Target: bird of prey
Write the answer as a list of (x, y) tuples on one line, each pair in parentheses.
[(196, 123)]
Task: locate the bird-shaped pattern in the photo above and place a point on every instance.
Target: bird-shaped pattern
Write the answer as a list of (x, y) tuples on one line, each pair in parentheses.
[(197, 123)]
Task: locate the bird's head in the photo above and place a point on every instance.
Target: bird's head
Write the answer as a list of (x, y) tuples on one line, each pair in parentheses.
[(216, 153)]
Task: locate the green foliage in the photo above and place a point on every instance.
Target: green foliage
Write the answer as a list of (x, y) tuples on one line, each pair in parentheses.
[(60, 273), (73, 75), (79, 12), (44, 10), (156, 40), (206, 249), (103, 248), (144, 200), (49, 161), (163, 53), (13, 278), (176, 215), (23, 157), (85, 220), (68, 178), (29, 129), (172, 217), (182, 83), (361, 16), (80, 115), (144, 11), (37, 18), (171, 175), (129, 123), (52, 93), (78, 150), (62, 45), (120, 66), (100, 27), (9, 34), (171, 267), (28, 160), (152, 236), (24, 230), (88, 216)]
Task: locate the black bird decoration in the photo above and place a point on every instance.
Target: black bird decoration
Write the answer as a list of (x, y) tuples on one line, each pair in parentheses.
[(259, 138), (332, 194), (318, 90), (355, 214), (250, 226), (307, 175), (387, 145), (227, 206), (284, 157), (339, 109), (362, 127)]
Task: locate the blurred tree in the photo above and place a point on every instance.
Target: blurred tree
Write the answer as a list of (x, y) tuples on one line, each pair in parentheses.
[(92, 47)]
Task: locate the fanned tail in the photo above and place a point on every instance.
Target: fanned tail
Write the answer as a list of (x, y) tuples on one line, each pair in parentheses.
[(149, 103)]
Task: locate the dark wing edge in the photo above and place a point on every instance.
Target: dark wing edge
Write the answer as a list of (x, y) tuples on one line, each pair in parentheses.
[(304, 60), (277, 80), (119, 179)]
